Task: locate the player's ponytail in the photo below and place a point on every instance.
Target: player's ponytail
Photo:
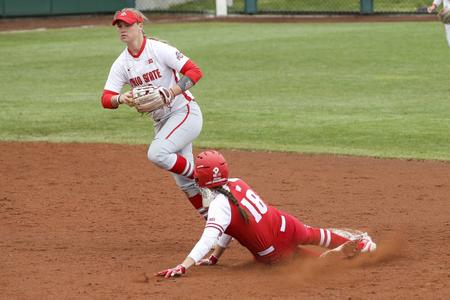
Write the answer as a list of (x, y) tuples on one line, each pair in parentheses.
[(230, 196)]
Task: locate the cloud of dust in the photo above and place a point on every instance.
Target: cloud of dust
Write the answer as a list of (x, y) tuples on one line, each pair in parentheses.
[(303, 271)]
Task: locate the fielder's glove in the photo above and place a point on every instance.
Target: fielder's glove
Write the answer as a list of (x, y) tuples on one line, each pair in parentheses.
[(150, 98), (174, 272), (444, 16), (211, 261)]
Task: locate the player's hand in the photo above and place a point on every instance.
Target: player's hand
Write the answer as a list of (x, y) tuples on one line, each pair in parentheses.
[(431, 8), (211, 261), (127, 99), (174, 272), (167, 94)]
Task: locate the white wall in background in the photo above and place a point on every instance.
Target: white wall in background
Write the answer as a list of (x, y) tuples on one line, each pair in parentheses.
[(157, 4)]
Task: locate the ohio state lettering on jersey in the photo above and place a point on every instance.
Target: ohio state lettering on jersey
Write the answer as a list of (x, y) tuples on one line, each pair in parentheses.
[(264, 221), (146, 77), (156, 64)]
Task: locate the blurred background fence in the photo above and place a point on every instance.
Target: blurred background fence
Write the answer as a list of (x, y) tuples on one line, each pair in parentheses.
[(13, 8), (289, 6), (19, 8)]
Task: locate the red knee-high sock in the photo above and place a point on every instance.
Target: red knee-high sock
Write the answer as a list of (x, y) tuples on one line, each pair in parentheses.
[(196, 201), (324, 238), (183, 167)]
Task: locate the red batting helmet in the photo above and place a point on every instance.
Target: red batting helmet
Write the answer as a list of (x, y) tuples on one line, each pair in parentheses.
[(211, 169)]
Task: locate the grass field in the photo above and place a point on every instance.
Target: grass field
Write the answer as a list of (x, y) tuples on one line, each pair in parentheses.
[(363, 89), (307, 5)]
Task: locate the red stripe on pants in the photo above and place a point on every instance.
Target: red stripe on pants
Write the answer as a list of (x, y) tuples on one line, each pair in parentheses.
[(173, 130)]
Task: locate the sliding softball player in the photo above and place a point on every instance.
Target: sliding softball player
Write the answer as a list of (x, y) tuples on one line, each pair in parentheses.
[(236, 211)]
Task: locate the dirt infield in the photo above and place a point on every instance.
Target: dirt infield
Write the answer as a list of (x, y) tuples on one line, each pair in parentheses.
[(84, 221)]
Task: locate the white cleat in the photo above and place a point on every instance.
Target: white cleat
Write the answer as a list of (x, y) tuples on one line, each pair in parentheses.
[(365, 244), (359, 244)]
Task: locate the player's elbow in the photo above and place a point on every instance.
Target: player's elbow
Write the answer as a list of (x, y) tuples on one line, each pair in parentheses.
[(200, 74), (194, 74), (191, 70)]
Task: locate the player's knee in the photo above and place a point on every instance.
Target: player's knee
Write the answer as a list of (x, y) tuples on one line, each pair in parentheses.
[(157, 155)]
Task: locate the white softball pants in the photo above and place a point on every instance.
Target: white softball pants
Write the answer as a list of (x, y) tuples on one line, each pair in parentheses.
[(175, 136)]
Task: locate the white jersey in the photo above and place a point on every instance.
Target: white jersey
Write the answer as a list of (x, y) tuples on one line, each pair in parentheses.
[(219, 217), (438, 2), (157, 64)]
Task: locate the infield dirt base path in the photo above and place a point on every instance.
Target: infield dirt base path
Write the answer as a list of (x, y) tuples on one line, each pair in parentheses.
[(97, 221)]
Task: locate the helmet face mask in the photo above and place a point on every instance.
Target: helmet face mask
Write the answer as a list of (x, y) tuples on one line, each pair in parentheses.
[(211, 169)]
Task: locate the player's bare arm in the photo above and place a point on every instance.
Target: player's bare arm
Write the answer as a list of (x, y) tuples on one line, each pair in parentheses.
[(432, 8), (192, 74), (183, 85), (125, 98)]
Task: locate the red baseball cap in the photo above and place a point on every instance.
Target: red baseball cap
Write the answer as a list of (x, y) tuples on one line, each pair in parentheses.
[(126, 16)]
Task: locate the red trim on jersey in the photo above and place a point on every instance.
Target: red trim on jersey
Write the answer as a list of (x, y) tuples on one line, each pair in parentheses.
[(191, 70), (176, 80), (187, 114), (140, 50), (106, 99)]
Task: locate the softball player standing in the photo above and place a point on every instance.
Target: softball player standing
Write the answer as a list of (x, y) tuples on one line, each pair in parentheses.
[(148, 61), (235, 210), (433, 7)]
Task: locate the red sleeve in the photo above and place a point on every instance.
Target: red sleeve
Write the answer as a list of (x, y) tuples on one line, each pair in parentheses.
[(191, 70), (106, 99)]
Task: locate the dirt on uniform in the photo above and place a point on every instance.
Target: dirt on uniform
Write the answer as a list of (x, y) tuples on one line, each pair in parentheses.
[(97, 221)]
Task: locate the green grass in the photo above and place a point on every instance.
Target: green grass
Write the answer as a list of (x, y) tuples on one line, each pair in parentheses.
[(307, 5), (376, 89)]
